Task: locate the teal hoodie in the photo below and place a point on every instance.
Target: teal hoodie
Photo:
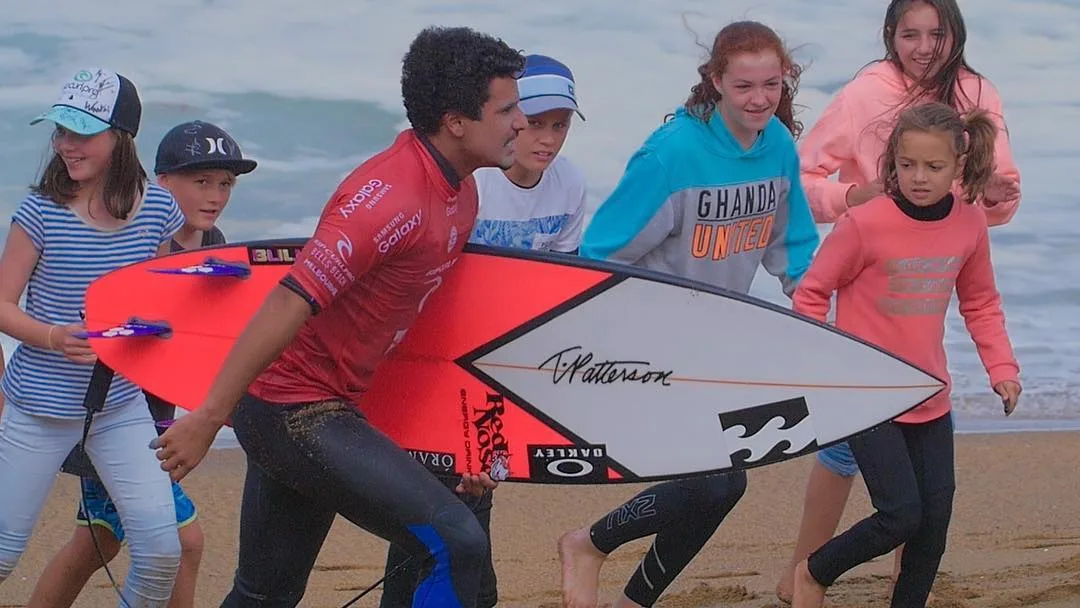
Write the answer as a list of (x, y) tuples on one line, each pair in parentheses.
[(694, 203)]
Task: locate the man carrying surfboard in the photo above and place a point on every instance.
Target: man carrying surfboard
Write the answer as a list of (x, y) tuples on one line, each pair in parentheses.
[(292, 381), (538, 204), (198, 163), (711, 195)]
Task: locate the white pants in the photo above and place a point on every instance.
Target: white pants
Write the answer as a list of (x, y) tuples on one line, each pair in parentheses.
[(32, 448)]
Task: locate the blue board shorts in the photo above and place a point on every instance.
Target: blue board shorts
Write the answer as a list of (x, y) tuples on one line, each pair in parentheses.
[(103, 511), (839, 460)]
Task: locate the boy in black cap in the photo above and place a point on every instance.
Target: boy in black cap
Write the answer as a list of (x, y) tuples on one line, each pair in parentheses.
[(198, 163)]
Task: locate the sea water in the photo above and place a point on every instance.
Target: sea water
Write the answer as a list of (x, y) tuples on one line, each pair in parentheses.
[(311, 89)]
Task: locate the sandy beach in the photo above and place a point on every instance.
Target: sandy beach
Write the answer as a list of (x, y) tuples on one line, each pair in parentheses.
[(1014, 540)]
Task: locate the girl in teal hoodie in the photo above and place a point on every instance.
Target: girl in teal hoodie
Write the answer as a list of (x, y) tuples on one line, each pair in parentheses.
[(711, 195)]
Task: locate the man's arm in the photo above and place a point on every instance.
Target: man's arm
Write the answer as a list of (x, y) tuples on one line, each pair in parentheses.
[(346, 245), (269, 332), (184, 444)]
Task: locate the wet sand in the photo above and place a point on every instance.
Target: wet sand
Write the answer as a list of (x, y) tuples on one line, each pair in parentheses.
[(1014, 540)]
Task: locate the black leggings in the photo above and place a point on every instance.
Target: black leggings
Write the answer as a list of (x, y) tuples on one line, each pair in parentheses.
[(909, 473), (400, 584), (683, 514), (309, 462)]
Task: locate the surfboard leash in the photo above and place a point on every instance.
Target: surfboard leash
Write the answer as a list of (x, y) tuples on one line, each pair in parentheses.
[(398, 568), (96, 392), (376, 584)]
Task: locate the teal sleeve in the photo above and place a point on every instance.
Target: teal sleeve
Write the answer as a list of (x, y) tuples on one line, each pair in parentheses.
[(795, 237), (636, 217)]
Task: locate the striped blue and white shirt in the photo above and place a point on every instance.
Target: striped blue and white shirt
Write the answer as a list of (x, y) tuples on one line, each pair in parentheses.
[(72, 255)]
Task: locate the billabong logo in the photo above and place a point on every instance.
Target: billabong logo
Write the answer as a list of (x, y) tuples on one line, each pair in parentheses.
[(768, 433)]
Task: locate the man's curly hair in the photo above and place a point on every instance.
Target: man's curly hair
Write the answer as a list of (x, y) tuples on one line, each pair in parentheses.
[(449, 69)]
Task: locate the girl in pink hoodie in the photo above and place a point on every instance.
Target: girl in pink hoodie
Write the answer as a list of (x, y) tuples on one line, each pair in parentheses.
[(894, 264), (924, 61)]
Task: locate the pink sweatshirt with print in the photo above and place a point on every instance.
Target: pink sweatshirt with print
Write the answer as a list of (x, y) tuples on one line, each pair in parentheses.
[(850, 135), (894, 277)]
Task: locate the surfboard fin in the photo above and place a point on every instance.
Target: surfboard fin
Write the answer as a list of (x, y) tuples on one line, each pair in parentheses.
[(134, 328), (211, 267)]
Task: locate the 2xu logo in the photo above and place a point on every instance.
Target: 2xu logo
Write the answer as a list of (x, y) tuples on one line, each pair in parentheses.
[(584, 464)]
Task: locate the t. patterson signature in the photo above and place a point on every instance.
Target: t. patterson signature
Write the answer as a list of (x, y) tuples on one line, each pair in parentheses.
[(573, 363)]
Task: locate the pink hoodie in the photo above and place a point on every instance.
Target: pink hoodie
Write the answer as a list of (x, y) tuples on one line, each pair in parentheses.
[(850, 137)]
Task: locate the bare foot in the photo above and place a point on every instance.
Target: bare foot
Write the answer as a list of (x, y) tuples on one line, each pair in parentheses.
[(581, 562), (807, 592), (783, 586)]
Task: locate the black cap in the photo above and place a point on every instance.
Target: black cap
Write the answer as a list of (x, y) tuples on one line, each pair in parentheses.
[(200, 145)]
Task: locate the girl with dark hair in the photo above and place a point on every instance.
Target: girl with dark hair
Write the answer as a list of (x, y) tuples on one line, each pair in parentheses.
[(924, 61)]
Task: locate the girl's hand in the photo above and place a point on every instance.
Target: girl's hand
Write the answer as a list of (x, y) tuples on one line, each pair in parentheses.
[(1000, 189), (75, 349), (1010, 394), (860, 194)]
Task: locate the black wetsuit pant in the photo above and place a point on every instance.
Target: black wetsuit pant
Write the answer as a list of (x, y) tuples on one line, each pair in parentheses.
[(308, 463), (683, 514), (909, 473), (404, 574)]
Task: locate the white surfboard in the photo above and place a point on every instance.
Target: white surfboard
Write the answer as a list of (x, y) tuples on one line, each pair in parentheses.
[(665, 378)]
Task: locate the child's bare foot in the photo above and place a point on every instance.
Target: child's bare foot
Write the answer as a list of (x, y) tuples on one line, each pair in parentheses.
[(581, 562), (807, 592), (785, 584)]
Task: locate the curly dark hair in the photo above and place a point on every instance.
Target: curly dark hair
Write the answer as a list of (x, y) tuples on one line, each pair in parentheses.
[(449, 69)]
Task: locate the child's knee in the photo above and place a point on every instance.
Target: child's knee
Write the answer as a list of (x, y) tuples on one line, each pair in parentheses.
[(8, 561), (12, 546), (92, 550), (902, 521), (157, 550), (191, 542)]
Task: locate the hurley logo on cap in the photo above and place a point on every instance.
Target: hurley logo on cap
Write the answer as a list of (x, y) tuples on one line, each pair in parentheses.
[(200, 145)]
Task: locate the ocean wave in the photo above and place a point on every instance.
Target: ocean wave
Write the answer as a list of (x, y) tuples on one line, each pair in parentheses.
[(352, 50)]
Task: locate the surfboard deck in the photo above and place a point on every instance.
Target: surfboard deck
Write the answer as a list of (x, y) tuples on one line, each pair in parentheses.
[(551, 368)]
